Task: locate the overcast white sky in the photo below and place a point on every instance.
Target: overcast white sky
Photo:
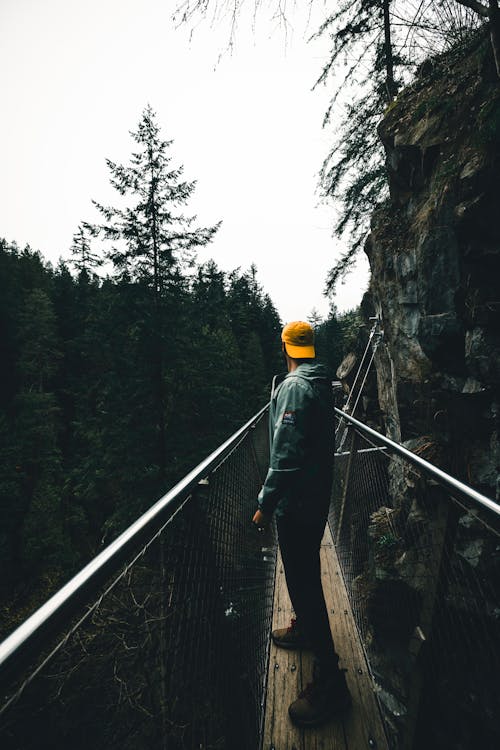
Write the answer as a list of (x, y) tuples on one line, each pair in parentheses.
[(75, 77)]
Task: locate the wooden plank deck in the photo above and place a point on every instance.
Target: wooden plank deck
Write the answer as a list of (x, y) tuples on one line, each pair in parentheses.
[(289, 671)]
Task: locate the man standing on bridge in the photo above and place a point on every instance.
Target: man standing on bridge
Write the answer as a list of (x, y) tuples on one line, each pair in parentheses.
[(298, 488)]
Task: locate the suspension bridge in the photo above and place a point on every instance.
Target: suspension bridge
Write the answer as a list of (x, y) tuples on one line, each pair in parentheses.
[(162, 641)]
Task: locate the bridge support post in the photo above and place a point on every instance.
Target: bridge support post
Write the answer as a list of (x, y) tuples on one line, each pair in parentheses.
[(345, 489)]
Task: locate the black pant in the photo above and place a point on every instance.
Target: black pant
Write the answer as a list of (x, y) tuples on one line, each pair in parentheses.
[(299, 545)]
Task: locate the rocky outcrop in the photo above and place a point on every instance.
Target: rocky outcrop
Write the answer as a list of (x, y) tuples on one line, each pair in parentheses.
[(434, 252)]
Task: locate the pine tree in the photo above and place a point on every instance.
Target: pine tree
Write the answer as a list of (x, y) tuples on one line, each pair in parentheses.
[(314, 318), (329, 343), (256, 326), (353, 172), (152, 243), (84, 260), (210, 297), (376, 45), (269, 328)]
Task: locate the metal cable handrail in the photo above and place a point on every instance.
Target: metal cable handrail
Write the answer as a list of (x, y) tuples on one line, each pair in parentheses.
[(21, 643), (437, 474)]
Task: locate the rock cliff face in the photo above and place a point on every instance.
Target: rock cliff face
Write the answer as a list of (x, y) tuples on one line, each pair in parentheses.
[(434, 252)]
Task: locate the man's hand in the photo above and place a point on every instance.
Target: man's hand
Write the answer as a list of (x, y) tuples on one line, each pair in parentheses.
[(261, 520)]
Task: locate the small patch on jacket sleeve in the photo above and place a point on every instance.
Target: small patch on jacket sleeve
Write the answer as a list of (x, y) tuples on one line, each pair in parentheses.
[(289, 417)]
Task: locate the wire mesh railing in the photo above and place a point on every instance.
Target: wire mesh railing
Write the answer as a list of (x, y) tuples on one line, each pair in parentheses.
[(171, 650), (421, 563)]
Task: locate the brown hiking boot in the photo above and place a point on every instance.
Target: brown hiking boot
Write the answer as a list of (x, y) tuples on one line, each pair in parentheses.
[(321, 701), (291, 637)]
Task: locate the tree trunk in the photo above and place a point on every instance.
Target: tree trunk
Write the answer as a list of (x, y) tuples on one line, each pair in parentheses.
[(390, 83), (160, 405), (156, 259), (494, 14)]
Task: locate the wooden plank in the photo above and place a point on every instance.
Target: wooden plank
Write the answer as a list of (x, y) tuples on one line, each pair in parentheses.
[(342, 637), (284, 679), (330, 736), (363, 725)]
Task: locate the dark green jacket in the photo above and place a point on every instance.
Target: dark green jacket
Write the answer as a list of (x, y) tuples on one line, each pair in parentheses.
[(301, 423)]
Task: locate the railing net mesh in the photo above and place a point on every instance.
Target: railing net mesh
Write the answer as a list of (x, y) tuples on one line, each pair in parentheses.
[(422, 571), (174, 652)]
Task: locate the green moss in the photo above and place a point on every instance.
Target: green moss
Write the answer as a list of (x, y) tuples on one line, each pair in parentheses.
[(391, 106)]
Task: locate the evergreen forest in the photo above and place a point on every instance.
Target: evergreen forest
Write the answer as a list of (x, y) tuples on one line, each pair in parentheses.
[(83, 448), (114, 386)]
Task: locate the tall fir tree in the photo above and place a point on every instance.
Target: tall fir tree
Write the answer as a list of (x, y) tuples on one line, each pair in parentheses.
[(152, 242), (84, 259)]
